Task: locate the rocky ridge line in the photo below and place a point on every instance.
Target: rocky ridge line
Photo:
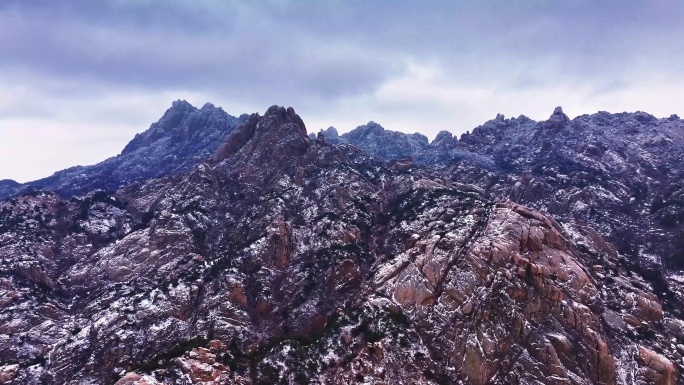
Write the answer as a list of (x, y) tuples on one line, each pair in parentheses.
[(182, 138), (289, 259)]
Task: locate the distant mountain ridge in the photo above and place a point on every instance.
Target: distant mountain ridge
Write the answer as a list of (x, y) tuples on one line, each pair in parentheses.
[(620, 173), (182, 138), (388, 145)]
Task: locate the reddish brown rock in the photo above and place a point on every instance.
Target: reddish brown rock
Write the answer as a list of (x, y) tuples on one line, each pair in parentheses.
[(8, 372), (656, 368)]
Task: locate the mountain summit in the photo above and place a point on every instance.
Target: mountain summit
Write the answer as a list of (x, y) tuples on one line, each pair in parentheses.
[(182, 138), (558, 119)]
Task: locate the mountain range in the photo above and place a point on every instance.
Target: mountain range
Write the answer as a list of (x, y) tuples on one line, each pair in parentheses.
[(222, 250)]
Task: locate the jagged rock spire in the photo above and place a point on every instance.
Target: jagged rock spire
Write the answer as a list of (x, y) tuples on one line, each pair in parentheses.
[(558, 119)]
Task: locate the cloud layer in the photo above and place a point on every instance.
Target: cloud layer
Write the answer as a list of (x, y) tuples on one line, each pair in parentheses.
[(81, 77)]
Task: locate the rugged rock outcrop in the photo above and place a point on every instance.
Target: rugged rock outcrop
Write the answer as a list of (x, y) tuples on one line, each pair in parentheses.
[(8, 187), (183, 138), (289, 260), (620, 173), (377, 141)]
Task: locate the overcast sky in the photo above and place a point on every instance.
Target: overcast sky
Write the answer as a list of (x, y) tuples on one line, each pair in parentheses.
[(80, 78)]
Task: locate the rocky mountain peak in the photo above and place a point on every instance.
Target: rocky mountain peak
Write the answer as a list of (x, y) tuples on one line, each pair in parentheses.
[(173, 116), (183, 137), (330, 132), (9, 182), (279, 133), (8, 186), (172, 119), (181, 104), (443, 137), (523, 118), (329, 135), (180, 120), (369, 129), (278, 116), (644, 117), (287, 261), (558, 119)]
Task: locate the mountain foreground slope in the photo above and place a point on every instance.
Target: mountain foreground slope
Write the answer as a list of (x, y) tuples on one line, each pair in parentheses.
[(282, 259)]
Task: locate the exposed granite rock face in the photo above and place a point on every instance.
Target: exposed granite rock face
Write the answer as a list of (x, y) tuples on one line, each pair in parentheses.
[(289, 260), (620, 173), (557, 120), (8, 372), (382, 143), (184, 137)]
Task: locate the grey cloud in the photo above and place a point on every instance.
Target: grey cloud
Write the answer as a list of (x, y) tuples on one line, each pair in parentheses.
[(74, 63), (332, 49), (235, 52)]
